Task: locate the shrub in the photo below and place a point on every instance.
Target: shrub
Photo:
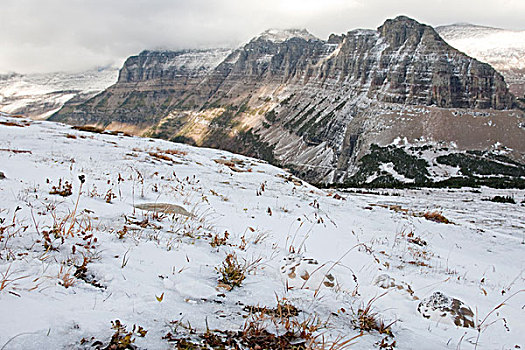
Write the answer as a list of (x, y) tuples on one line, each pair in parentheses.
[(503, 199)]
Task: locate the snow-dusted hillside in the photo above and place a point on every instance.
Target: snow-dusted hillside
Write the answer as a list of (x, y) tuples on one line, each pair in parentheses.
[(72, 264), (40, 95), (501, 48)]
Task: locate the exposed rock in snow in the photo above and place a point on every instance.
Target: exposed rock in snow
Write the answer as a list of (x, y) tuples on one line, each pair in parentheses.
[(166, 208), (441, 308)]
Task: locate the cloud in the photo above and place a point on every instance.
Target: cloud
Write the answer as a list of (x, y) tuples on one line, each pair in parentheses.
[(53, 35)]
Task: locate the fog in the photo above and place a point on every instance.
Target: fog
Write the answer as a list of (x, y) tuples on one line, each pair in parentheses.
[(70, 35)]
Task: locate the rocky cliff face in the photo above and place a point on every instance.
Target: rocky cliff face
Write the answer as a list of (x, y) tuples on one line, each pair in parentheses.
[(149, 86), (292, 98)]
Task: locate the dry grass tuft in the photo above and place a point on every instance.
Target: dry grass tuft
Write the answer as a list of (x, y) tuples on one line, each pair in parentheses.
[(16, 151), (232, 272), (217, 241), (160, 156), (63, 189), (12, 124), (122, 339), (436, 217), (89, 128), (366, 320)]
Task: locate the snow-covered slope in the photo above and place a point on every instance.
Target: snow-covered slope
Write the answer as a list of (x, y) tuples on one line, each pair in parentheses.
[(280, 35), (70, 265), (503, 49), (40, 95)]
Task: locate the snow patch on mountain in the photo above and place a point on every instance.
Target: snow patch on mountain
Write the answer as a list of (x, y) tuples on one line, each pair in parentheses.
[(281, 35), (502, 48), (39, 95)]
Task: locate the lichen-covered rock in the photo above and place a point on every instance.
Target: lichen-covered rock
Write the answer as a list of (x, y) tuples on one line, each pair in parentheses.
[(441, 308)]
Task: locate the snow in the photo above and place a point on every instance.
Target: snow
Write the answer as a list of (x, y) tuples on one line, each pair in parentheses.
[(18, 92), (165, 269), (504, 49), (41, 83), (281, 35), (389, 168), (193, 60)]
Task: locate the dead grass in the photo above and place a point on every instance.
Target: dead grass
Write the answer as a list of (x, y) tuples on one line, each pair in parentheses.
[(173, 152), (367, 320), (290, 333), (160, 156), (88, 128), (429, 215), (235, 165), (217, 241), (7, 278), (15, 150), (122, 339), (65, 278), (13, 124), (232, 272), (63, 189), (436, 217)]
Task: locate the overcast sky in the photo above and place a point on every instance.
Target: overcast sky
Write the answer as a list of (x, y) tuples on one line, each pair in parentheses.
[(52, 35)]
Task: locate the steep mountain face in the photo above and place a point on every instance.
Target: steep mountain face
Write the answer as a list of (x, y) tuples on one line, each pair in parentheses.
[(503, 49), (149, 85), (40, 95), (314, 106)]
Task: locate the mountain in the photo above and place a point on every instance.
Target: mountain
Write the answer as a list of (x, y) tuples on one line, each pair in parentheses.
[(40, 95), (318, 107), (501, 48), (281, 35), (113, 242)]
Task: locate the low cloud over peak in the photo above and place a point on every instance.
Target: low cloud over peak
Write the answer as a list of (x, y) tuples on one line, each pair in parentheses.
[(54, 35)]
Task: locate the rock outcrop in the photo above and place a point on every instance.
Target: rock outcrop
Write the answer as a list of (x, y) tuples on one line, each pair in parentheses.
[(441, 308)]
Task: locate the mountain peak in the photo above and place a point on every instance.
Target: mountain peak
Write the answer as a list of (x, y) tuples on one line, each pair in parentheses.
[(399, 22), (281, 35), (402, 28)]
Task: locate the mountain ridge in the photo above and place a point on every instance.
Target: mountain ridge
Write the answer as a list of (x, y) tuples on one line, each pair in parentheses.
[(303, 103)]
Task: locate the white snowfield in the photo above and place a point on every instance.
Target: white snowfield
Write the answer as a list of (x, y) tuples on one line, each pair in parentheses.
[(19, 91), (503, 49), (67, 271)]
